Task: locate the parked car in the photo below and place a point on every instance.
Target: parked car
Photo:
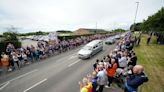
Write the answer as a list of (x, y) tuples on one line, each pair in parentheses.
[(90, 49)]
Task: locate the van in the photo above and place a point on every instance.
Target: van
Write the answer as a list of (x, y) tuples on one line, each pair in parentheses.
[(91, 49)]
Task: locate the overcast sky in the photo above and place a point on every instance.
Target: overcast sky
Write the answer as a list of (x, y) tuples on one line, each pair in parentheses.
[(51, 15)]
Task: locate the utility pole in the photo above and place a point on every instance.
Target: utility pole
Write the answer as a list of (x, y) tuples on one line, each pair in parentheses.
[(135, 16), (96, 28)]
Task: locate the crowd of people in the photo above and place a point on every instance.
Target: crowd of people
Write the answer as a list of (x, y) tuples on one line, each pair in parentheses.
[(119, 66), (15, 58)]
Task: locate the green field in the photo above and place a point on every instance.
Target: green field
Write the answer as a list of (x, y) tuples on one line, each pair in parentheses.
[(152, 58)]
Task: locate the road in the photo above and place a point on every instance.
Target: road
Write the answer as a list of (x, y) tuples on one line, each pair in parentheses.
[(59, 73)]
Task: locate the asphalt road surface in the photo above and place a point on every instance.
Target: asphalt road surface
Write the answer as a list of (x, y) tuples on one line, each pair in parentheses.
[(59, 73)]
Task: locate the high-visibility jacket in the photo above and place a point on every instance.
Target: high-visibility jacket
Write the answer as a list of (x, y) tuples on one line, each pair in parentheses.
[(88, 87), (84, 89)]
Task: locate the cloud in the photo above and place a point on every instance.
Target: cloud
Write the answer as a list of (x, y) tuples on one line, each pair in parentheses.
[(50, 15)]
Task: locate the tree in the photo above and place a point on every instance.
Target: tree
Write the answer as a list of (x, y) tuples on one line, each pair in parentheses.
[(154, 22), (136, 27), (9, 37), (118, 30)]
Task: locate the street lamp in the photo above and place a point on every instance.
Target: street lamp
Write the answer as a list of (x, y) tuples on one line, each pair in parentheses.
[(135, 16)]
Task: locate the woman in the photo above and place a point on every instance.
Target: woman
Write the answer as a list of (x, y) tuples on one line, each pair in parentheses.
[(16, 60)]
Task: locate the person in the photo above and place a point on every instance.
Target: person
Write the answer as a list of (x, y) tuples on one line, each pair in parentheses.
[(122, 61), (24, 56), (101, 78), (133, 60), (111, 72), (86, 86), (94, 81), (148, 40), (84, 90), (5, 60), (139, 39), (11, 63), (95, 64), (134, 80), (15, 59)]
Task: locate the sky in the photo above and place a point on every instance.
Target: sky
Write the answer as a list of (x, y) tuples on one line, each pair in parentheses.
[(51, 15)]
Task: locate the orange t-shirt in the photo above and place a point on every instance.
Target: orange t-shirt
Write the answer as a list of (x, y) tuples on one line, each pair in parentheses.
[(4, 61), (111, 71)]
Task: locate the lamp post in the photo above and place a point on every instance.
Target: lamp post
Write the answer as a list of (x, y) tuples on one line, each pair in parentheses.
[(95, 31), (135, 16)]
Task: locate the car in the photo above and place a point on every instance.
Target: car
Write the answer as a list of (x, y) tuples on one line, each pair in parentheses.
[(90, 49), (117, 36), (34, 37), (110, 40)]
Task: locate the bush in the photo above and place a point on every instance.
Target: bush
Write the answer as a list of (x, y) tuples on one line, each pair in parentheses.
[(9, 37)]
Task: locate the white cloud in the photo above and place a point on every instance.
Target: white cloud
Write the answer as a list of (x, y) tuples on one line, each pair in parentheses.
[(50, 15)]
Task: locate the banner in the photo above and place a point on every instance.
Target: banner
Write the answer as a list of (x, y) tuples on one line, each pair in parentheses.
[(53, 40)]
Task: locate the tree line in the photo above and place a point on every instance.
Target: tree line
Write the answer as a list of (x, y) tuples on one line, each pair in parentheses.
[(154, 23)]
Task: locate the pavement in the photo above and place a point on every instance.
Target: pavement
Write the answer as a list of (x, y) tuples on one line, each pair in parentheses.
[(59, 73)]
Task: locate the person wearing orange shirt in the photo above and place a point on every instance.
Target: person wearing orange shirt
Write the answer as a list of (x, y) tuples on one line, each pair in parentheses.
[(111, 71)]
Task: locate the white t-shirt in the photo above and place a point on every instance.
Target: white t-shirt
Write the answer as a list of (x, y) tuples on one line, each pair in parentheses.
[(15, 58), (102, 77), (24, 56), (123, 62)]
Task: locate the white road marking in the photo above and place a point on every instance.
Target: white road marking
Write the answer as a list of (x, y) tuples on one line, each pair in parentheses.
[(73, 63), (16, 78), (72, 57), (67, 57), (23, 75), (7, 83), (3, 84), (35, 85)]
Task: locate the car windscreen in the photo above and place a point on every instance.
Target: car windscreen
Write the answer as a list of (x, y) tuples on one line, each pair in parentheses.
[(87, 48)]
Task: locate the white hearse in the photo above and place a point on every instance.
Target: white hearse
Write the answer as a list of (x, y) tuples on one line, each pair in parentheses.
[(91, 49)]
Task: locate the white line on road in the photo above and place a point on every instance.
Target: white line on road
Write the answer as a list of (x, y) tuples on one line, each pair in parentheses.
[(73, 63), (67, 57), (16, 78), (23, 75), (72, 57), (35, 85), (7, 83)]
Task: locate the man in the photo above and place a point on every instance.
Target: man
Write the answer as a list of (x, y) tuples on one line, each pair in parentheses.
[(101, 78), (111, 71), (133, 60), (134, 80), (148, 40), (95, 64)]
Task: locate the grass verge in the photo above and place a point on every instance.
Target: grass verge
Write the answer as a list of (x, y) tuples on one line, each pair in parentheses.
[(152, 58)]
